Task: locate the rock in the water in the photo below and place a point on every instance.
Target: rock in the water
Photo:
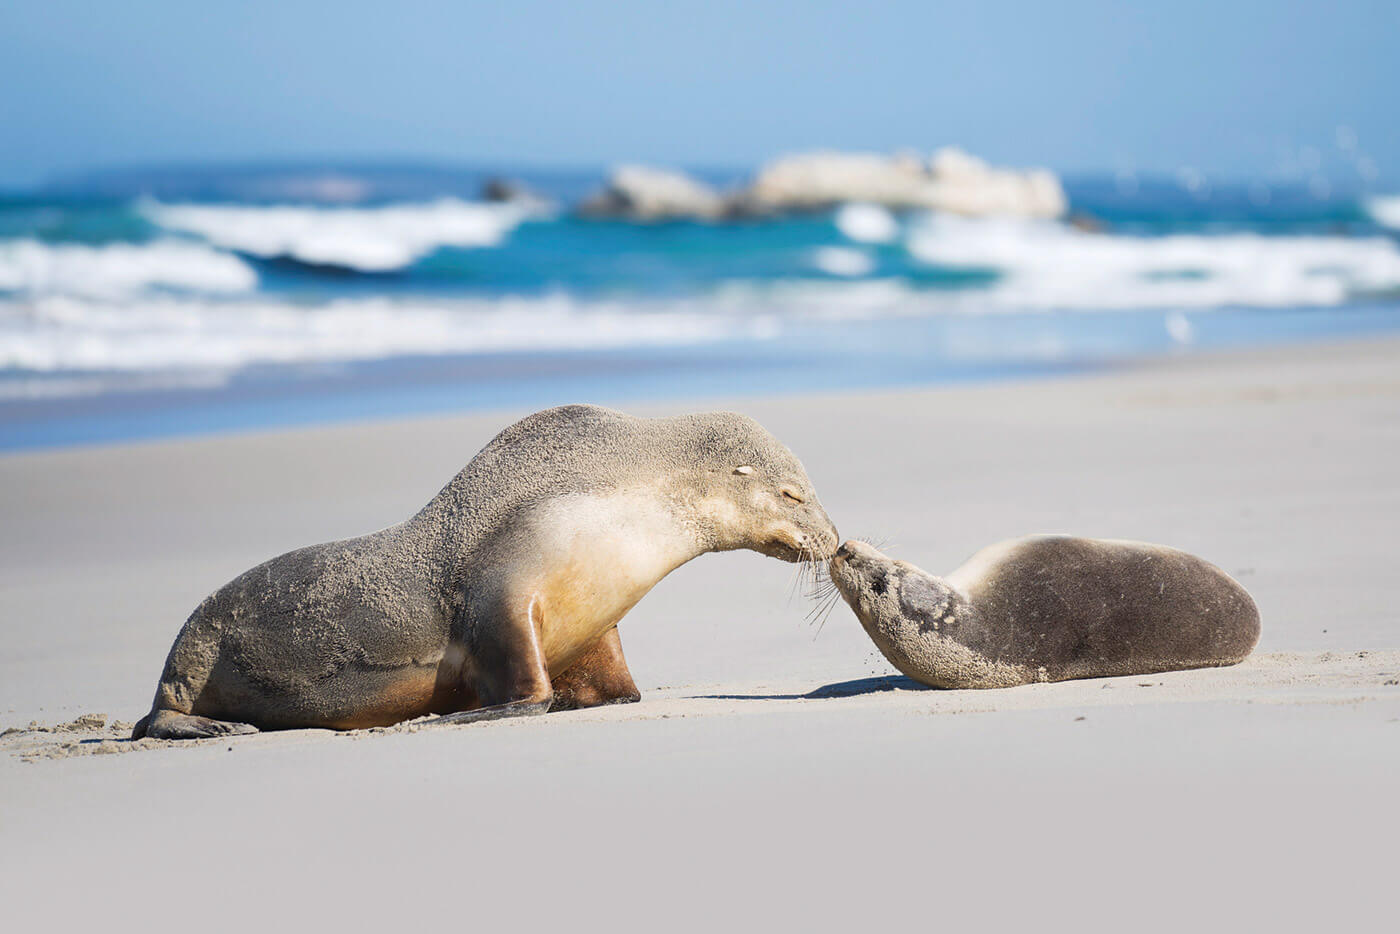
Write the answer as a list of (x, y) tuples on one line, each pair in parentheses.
[(501, 190), (641, 193), (951, 181)]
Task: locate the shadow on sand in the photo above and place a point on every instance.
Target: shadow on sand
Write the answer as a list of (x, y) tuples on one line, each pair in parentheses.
[(839, 689)]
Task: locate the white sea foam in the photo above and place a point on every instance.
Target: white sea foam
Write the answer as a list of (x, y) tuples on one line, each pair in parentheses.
[(866, 223), (1043, 264), (1385, 211), (35, 268), (59, 334), (842, 261), (1180, 328), (378, 239)]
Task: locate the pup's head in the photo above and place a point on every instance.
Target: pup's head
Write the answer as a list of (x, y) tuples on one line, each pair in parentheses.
[(882, 589)]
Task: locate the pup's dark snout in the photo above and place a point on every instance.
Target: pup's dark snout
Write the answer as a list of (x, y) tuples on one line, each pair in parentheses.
[(843, 551)]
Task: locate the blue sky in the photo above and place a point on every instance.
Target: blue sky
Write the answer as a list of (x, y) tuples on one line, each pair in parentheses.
[(1236, 88)]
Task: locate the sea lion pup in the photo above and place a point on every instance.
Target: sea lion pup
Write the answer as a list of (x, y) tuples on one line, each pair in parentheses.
[(501, 597), (1048, 608)]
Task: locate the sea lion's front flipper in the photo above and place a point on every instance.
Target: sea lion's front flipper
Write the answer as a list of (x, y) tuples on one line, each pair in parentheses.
[(512, 676), (167, 724), (599, 677)]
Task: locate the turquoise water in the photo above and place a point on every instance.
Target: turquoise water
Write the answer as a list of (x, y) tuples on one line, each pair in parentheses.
[(193, 301)]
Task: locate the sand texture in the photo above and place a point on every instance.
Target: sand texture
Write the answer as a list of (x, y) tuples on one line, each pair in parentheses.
[(775, 775)]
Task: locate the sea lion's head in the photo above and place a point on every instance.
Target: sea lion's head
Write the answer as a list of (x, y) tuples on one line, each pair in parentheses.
[(921, 624), (754, 493), (885, 593)]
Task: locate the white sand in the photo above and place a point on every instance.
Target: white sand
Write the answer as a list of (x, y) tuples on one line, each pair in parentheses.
[(1261, 797)]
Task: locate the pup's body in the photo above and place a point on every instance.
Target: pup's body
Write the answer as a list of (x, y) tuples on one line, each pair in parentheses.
[(1048, 608)]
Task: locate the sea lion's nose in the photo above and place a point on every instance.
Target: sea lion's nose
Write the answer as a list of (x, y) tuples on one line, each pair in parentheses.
[(843, 551)]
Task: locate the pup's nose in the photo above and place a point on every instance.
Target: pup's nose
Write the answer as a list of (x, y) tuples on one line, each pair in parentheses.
[(843, 551)]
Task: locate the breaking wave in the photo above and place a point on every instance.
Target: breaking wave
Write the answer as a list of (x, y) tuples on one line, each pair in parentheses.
[(866, 223), (381, 239), (116, 269), (1385, 211), (61, 334), (842, 261), (1051, 265)]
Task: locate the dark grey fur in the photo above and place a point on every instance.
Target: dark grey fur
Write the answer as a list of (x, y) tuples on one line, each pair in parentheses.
[(1049, 608)]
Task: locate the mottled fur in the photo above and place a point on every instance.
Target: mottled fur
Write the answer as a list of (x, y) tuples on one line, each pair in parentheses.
[(517, 570), (1048, 608)]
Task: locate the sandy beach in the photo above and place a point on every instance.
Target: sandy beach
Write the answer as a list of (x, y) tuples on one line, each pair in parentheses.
[(774, 774)]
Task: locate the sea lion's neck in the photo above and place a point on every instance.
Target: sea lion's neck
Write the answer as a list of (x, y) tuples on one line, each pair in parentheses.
[(673, 528), (935, 605)]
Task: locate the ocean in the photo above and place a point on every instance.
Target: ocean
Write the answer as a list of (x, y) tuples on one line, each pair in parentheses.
[(189, 300)]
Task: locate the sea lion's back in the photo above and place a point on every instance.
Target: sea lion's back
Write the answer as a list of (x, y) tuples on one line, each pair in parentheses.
[(1095, 607)]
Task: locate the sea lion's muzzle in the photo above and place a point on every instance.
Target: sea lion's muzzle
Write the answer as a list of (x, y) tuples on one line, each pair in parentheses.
[(852, 565), (801, 540), (854, 552), (822, 545)]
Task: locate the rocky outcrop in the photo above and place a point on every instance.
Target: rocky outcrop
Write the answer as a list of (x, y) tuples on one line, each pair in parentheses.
[(500, 190), (640, 193), (950, 181), (818, 180)]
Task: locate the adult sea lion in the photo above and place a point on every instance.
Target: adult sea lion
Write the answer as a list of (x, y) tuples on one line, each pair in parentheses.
[(1048, 608), (501, 597)]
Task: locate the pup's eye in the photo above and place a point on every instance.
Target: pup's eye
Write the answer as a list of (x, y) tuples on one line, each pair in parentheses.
[(792, 497)]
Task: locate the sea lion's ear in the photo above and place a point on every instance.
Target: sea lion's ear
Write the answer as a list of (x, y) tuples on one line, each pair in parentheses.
[(746, 470)]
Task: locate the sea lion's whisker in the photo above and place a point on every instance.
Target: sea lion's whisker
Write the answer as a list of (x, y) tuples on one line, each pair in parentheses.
[(798, 583), (821, 585), (825, 595), (794, 579), (828, 606), (798, 579)]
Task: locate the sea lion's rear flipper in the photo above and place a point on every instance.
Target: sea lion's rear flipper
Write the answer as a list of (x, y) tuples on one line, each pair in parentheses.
[(167, 724)]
